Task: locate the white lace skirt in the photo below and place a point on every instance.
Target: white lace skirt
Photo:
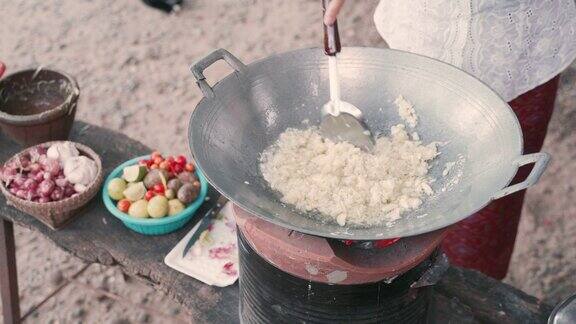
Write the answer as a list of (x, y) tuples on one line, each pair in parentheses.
[(512, 45)]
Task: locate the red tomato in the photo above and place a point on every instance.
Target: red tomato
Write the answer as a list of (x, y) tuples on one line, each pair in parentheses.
[(149, 195), (155, 154), (123, 205), (158, 188), (181, 160), (178, 168), (164, 165), (170, 159), (158, 160), (189, 167)]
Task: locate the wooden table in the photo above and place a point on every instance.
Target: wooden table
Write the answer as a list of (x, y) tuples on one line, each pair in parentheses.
[(462, 296)]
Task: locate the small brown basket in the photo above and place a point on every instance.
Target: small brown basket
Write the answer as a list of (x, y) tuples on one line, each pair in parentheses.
[(57, 213)]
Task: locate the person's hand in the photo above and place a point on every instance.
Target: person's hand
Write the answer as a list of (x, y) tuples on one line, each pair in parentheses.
[(2, 69), (332, 11)]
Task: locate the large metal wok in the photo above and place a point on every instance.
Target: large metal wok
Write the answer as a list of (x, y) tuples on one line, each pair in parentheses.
[(244, 113)]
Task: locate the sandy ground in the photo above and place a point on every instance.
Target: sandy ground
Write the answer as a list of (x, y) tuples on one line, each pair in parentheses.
[(132, 66)]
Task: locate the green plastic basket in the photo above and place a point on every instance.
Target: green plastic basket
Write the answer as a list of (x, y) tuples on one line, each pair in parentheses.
[(153, 226)]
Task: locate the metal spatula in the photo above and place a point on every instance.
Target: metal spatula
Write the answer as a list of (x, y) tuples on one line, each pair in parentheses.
[(341, 121)]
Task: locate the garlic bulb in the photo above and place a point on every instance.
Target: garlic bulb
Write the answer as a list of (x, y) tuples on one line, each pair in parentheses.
[(80, 188), (62, 152), (80, 170)]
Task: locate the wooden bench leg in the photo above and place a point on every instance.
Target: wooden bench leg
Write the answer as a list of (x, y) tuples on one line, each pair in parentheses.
[(8, 278)]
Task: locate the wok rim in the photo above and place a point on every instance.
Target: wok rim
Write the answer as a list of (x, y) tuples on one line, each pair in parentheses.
[(361, 233)]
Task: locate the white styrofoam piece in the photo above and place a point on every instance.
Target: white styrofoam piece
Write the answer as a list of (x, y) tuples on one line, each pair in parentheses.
[(196, 267)]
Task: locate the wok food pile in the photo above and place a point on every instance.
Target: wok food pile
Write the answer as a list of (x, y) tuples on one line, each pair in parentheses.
[(347, 184)]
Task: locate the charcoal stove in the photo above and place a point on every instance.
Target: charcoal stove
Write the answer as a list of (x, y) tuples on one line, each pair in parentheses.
[(290, 277)]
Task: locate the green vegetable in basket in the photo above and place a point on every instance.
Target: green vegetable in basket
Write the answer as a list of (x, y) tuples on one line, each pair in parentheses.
[(134, 173), (170, 194), (158, 207), (135, 192), (175, 206), (139, 209), (116, 188)]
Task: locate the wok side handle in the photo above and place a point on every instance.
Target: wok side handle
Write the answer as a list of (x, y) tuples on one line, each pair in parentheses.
[(540, 161), (198, 68)]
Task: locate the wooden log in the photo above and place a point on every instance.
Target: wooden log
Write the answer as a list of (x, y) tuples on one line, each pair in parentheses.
[(490, 300)]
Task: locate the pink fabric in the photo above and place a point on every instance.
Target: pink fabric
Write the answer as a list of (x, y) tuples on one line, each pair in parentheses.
[(485, 240)]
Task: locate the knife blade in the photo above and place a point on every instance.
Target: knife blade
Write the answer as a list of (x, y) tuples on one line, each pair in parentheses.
[(205, 222)]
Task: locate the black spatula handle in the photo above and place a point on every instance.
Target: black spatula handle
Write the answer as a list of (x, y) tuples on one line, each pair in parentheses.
[(331, 35)]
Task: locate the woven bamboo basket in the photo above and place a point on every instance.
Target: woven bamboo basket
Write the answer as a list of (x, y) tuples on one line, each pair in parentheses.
[(56, 214)]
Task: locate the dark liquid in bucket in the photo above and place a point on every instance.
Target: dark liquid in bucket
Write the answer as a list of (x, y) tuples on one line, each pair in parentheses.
[(35, 99)]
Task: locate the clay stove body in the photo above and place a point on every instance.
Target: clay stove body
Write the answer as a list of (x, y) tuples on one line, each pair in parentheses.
[(289, 277)]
